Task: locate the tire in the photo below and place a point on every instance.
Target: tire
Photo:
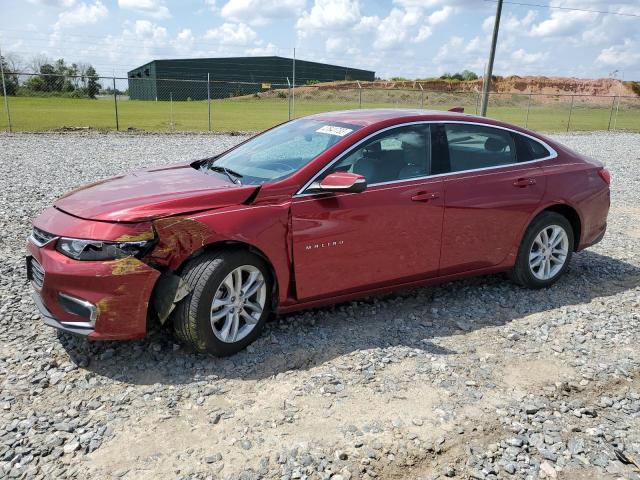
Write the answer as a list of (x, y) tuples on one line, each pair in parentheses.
[(525, 273), (212, 275)]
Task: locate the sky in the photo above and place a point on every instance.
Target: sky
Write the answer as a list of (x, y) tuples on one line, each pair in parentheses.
[(408, 38)]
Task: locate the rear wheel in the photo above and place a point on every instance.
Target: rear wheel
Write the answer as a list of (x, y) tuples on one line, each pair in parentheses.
[(228, 303), (545, 251)]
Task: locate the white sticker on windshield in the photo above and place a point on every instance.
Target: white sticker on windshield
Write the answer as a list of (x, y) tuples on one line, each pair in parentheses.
[(331, 130)]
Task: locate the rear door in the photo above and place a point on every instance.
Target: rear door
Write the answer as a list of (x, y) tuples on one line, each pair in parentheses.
[(389, 233), (490, 193)]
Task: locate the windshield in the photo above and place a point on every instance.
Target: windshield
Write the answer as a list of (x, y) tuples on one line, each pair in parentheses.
[(279, 152)]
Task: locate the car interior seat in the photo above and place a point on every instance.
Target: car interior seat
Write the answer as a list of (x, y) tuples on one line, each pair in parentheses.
[(415, 161)]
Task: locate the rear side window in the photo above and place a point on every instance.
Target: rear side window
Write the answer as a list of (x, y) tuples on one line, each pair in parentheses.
[(476, 146), (529, 149)]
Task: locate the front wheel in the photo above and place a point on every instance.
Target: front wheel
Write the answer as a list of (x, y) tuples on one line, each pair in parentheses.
[(229, 302), (545, 251)]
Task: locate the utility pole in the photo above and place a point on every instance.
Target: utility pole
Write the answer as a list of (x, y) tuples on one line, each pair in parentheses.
[(486, 84)]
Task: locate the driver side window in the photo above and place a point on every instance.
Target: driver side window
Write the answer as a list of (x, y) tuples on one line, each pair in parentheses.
[(398, 154)]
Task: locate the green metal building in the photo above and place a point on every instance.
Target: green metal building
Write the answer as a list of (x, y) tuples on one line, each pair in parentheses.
[(186, 79)]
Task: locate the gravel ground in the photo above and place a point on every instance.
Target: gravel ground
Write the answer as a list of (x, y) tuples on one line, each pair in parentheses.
[(470, 379)]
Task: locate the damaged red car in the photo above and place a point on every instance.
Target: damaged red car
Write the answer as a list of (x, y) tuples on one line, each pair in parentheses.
[(319, 210)]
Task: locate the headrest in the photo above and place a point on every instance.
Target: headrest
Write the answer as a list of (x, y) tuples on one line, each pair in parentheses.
[(494, 144)]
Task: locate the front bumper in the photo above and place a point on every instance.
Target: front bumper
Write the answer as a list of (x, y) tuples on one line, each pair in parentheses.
[(77, 328), (115, 293)]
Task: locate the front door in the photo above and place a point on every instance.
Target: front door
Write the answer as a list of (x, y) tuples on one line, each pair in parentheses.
[(389, 233)]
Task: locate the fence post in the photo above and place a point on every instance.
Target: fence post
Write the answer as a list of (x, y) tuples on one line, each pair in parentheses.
[(526, 120), (613, 101), (359, 94), (477, 101), (421, 96), (289, 96), (293, 90), (615, 120), (171, 110), (209, 100), (115, 103), (4, 92), (570, 112)]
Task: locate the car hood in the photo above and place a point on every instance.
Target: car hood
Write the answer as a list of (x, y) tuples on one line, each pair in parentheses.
[(150, 194)]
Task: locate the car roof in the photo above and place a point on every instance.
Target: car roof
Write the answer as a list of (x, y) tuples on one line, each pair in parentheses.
[(366, 117)]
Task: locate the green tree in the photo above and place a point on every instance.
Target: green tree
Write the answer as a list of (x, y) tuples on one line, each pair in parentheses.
[(10, 78), (469, 75), (93, 87), (45, 81)]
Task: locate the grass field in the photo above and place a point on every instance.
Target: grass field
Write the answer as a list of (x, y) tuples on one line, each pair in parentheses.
[(252, 114)]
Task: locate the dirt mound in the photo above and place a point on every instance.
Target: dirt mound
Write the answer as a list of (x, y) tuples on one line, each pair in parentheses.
[(511, 84)]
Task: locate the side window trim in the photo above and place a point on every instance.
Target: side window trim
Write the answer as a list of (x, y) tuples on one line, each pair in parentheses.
[(552, 153)]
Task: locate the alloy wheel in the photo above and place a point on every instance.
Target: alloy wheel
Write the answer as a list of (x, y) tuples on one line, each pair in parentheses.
[(549, 252), (238, 304)]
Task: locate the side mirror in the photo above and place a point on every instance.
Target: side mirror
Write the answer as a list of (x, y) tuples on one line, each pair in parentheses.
[(339, 182)]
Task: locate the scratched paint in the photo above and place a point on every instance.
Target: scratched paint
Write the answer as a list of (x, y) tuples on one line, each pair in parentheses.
[(178, 237)]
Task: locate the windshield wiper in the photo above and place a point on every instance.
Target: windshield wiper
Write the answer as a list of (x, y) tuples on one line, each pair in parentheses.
[(233, 176)]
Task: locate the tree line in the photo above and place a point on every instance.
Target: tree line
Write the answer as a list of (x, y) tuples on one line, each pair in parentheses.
[(464, 75), (50, 78)]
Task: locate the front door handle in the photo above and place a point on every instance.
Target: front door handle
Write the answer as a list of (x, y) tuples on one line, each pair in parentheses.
[(425, 196), (524, 182)]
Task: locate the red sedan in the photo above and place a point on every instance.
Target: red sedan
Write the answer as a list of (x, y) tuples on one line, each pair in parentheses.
[(319, 210)]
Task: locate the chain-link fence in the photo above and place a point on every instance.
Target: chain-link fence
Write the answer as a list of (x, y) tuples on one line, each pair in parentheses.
[(40, 102)]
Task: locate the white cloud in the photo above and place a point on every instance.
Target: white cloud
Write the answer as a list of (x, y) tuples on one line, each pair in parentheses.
[(625, 55), (511, 23), (54, 3), (238, 34), (563, 23), (261, 12), (448, 52), (153, 8), (436, 3), (340, 46), (83, 14), (150, 40), (149, 32), (440, 16), (477, 45), (184, 41), (367, 24), (424, 33), (392, 30), (330, 15), (524, 57), (267, 50)]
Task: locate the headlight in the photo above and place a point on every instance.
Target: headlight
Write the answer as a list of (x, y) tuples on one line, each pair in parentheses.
[(99, 250)]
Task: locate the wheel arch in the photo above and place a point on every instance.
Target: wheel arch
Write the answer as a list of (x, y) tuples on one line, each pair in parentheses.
[(567, 211), (236, 245)]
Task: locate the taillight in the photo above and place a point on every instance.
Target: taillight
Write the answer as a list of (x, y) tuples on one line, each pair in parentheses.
[(605, 175)]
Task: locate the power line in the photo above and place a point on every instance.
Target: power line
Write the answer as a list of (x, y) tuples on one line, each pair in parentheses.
[(573, 9)]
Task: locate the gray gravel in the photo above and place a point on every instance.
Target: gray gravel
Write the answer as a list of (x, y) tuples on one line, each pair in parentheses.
[(471, 379)]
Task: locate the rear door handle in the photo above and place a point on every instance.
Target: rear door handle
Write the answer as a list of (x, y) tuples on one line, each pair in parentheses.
[(425, 196), (524, 182)]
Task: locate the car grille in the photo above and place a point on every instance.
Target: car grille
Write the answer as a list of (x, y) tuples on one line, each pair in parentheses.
[(37, 273), (41, 238)]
